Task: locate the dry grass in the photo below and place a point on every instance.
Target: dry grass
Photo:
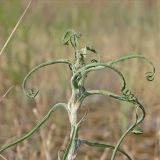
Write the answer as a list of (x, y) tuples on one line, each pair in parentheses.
[(114, 28)]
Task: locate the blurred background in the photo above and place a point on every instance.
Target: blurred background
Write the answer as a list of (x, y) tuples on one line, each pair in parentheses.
[(115, 28)]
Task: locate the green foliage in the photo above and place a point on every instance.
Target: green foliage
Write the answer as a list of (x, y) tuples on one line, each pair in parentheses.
[(80, 69)]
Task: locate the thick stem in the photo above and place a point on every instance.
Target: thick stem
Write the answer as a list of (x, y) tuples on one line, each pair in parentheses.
[(73, 121)]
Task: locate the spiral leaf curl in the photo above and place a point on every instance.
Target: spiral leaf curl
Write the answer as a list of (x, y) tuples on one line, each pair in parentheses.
[(32, 93), (149, 75)]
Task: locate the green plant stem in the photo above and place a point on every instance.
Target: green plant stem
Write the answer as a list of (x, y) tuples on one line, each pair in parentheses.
[(121, 139), (36, 127), (122, 98)]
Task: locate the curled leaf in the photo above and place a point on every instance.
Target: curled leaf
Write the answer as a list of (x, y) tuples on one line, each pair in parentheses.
[(137, 131), (94, 61), (67, 35), (71, 37), (150, 76), (32, 93)]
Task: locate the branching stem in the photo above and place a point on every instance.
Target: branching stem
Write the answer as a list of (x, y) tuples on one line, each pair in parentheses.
[(80, 70)]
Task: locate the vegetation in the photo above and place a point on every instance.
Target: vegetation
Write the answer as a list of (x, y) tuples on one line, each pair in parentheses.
[(80, 69), (115, 29)]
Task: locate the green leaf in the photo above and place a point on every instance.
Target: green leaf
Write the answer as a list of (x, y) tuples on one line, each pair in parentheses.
[(138, 131), (149, 75), (91, 49), (71, 37), (32, 93), (67, 37), (45, 119), (102, 145)]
